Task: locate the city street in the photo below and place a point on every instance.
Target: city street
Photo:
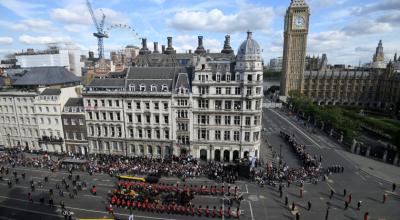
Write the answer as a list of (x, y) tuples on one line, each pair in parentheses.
[(363, 186), (259, 203)]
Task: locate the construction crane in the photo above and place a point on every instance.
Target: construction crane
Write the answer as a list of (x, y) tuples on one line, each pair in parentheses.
[(100, 34)]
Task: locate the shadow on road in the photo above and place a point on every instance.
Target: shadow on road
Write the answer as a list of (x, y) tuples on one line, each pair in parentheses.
[(17, 205)]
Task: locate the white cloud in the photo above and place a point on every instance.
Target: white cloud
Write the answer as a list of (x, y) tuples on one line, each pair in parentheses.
[(381, 5), (6, 40), (76, 28), (79, 14), (321, 4), (248, 17), (364, 49), (22, 9), (183, 43), (14, 26), (38, 25), (27, 39), (29, 24), (391, 18), (363, 26), (325, 41)]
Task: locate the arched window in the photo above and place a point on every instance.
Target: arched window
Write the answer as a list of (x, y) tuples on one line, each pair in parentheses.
[(218, 77), (153, 88), (164, 88), (142, 88), (131, 87)]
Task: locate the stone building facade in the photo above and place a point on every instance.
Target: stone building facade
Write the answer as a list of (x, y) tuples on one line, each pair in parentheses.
[(207, 105), (18, 124), (377, 88), (74, 126), (24, 101)]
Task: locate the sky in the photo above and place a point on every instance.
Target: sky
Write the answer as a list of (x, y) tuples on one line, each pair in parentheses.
[(348, 31)]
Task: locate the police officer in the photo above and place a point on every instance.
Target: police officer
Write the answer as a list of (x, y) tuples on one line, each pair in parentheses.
[(51, 202), (69, 214), (62, 204)]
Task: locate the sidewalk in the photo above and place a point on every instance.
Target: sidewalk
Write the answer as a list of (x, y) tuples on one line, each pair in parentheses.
[(384, 171)]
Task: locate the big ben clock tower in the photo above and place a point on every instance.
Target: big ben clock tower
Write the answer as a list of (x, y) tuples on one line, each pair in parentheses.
[(294, 47)]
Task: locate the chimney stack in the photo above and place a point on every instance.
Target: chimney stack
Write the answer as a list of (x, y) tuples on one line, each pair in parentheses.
[(190, 51), (227, 45), (163, 49), (91, 55), (200, 48), (156, 48), (144, 49), (170, 49)]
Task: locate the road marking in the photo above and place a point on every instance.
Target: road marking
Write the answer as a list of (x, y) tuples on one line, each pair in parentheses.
[(98, 197), (25, 187), (31, 211), (330, 187), (247, 190), (362, 177), (251, 211), (105, 185), (89, 210), (305, 135), (59, 172)]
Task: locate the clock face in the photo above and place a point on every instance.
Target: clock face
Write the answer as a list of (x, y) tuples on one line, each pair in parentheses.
[(299, 21)]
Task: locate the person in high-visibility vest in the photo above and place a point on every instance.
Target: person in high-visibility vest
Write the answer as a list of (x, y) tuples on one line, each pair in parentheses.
[(94, 190)]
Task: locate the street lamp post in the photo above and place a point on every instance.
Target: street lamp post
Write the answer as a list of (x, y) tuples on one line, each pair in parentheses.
[(280, 154), (210, 151), (9, 140)]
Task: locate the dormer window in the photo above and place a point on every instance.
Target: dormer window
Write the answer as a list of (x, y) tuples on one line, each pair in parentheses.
[(131, 87), (228, 78), (164, 88), (153, 88), (142, 88)]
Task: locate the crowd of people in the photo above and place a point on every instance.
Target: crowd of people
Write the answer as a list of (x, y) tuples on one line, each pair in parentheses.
[(182, 166), (311, 169), (300, 151)]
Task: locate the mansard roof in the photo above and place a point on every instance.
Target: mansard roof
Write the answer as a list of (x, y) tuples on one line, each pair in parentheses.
[(153, 76), (50, 91), (107, 82), (157, 73), (54, 75), (74, 102), (182, 81)]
